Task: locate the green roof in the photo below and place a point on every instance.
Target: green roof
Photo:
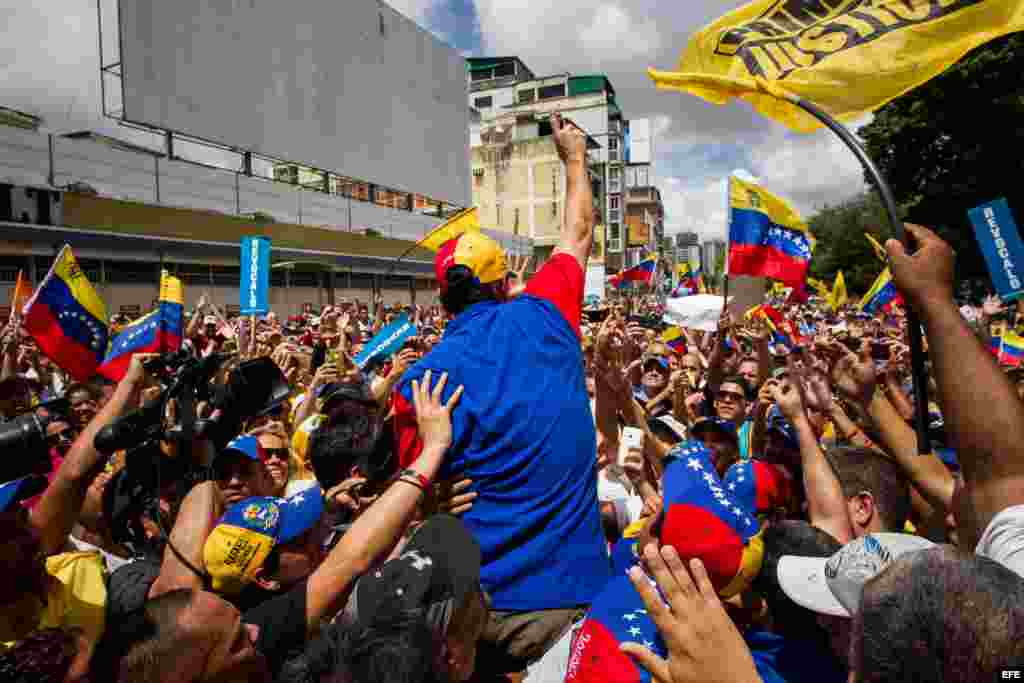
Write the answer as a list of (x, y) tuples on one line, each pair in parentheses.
[(485, 63), (582, 84)]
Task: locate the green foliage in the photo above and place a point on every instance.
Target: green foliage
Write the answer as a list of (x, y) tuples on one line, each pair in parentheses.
[(841, 245), (260, 217), (370, 232), (954, 143)]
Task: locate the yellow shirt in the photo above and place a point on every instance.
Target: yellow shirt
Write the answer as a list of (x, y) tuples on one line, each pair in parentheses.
[(76, 599)]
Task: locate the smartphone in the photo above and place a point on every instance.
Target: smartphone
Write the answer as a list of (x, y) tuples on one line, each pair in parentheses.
[(631, 438)]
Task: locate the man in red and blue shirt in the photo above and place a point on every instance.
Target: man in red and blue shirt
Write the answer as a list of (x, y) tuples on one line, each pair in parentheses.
[(523, 433)]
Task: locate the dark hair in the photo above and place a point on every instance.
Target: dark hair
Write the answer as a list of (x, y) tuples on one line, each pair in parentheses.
[(741, 382), (863, 469), (94, 394), (142, 645), (399, 649), (326, 654), (792, 537), (939, 615), (463, 289), (43, 656)]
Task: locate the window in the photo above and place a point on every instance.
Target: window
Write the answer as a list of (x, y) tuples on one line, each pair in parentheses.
[(613, 142), (527, 96), (613, 202), (641, 177), (498, 208), (483, 102), (613, 214), (506, 69), (551, 91), (484, 75)]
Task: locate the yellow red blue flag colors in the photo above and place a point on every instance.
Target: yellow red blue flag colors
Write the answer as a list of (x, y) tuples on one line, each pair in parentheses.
[(847, 56), (159, 331), (467, 220), (767, 237), (68, 319)]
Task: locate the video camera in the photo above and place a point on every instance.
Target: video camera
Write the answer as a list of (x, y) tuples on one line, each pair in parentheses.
[(23, 440), (252, 389)]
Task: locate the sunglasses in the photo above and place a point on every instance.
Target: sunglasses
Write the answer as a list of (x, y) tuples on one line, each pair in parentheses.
[(61, 438), (279, 453), (731, 396)]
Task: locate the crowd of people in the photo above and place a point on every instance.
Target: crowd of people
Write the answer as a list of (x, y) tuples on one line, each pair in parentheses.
[(530, 490)]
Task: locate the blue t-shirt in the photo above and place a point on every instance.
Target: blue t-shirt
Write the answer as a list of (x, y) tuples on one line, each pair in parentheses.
[(524, 433), (786, 661)]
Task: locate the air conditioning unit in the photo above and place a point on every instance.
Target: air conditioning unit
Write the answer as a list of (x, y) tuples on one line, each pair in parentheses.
[(33, 205)]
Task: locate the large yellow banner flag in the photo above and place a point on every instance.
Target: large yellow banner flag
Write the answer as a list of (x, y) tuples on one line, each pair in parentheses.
[(847, 56), (467, 220)]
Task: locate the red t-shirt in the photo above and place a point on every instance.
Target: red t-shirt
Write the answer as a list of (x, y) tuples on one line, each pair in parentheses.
[(559, 281)]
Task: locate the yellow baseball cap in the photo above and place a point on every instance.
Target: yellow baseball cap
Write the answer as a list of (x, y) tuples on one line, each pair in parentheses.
[(483, 256)]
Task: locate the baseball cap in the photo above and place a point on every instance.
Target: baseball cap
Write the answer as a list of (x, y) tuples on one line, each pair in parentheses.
[(483, 256), (702, 519), (244, 537), (660, 360), (718, 424), (667, 423), (833, 585), (780, 425), (20, 489), (438, 567), (352, 391), (759, 486), (248, 446)]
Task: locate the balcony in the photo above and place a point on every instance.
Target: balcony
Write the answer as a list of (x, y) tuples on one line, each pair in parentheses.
[(642, 194)]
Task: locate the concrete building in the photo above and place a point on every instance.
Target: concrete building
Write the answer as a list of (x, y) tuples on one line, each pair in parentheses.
[(686, 239), (712, 251), (517, 183)]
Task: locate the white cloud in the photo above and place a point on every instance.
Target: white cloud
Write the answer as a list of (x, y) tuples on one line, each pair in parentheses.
[(614, 34)]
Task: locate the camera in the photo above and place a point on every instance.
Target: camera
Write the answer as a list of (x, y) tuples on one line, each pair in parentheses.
[(252, 389), (23, 440)]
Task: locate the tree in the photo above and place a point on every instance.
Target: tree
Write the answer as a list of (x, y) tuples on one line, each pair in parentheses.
[(841, 245), (954, 143)]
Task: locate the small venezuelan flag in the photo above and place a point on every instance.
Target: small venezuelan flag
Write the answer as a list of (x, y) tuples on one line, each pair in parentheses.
[(674, 339), (882, 294), (68, 319), (1009, 348), (767, 237), (159, 331)]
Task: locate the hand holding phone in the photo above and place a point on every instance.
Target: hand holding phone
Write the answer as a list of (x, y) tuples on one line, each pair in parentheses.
[(632, 438)]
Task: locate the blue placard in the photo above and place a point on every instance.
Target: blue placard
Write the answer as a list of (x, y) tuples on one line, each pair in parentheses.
[(254, 288), (387, 341), (1000, 244)]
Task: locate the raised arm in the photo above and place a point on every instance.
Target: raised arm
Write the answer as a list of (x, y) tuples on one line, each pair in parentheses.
[(577, 235), (980, 406)]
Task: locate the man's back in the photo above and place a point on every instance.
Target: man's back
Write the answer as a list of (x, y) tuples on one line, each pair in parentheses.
[(524, 434)]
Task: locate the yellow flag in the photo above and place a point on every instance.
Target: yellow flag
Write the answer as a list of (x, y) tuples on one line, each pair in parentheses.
[(467, 220), (838, 296), (682, 269), (879, 249), (820, 287), (847, 56), (171, 289)]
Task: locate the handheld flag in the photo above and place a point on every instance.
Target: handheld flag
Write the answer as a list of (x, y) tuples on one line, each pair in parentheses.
[(819, 287), (879, 249), (849, 58), (1008, 348), (467, 220), (642, 272), (68, 319), (882, 294), (682, 270), (767, 237), (838, 296), (22, 293), (159, 331), (674, 339)]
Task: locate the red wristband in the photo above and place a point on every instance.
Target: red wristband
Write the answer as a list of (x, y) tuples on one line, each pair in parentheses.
[(424, 482)]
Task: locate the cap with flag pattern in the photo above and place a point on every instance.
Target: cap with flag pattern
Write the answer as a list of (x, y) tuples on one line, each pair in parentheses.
[(703, 519), (243, 538), (758, 486), (483, 256)]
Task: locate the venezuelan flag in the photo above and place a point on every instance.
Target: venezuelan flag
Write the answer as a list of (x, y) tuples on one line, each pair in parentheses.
[(819, 287), (642, 272), (68, 319), (467, 220), (1009, 348), (776, 323), (882, 294), (767, 237), (159, 331), (674, 339)]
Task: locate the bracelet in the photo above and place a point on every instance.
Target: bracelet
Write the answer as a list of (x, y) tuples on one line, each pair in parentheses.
[(424, 483), (411, 483)]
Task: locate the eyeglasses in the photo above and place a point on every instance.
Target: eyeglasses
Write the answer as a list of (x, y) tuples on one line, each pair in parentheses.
[(279, 453)]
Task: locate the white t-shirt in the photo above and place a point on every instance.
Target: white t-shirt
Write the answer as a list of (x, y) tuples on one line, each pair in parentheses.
[(1003, 540)]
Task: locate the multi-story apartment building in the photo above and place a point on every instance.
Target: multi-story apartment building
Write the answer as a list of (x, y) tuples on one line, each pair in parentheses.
[(517, 178)]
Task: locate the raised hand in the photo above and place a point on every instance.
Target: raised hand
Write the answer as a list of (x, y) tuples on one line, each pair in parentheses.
[(434, 417), (854, 375), (455, 499), (703, 644), (926, 275), (992, 305), (570, 141), (787, 396)]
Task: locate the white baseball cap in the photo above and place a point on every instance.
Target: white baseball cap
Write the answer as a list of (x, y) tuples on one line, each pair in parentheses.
[(833, 585)]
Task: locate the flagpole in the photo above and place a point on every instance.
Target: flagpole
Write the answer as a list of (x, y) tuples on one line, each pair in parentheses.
[(917, 369)]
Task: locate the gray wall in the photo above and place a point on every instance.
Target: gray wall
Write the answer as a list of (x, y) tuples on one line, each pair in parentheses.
[(348, 86)]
